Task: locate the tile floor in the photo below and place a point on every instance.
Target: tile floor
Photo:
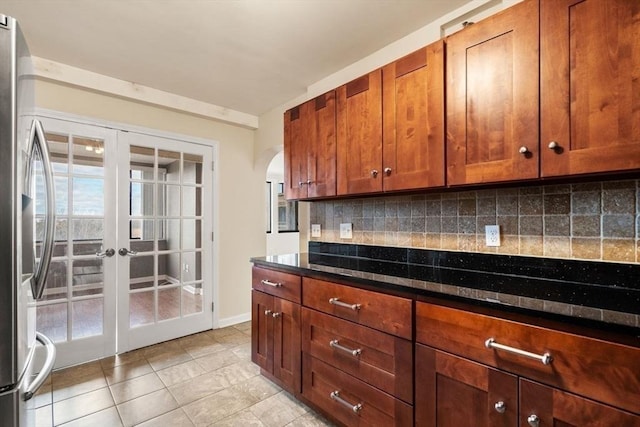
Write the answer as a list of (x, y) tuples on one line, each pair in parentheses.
[(206, 379)]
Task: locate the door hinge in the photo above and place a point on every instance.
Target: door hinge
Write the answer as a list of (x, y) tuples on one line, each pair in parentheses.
[(212, 237), (212, 306), (213, 166)]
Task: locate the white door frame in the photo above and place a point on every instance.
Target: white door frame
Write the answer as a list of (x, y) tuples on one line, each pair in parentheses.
[(100, 123)]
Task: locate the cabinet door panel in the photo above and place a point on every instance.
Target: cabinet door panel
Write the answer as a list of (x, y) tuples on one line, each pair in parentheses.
[(451, 391), (492, 98), (557, 408), (262, 330), (296, 149), (286, 342), (322, 153), (359, 137), (590, 96), (413, 121)]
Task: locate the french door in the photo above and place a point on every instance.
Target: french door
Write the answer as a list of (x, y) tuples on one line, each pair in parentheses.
[(131, 265), (164, 239)]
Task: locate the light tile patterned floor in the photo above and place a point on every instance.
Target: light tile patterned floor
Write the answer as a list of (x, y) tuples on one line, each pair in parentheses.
[(206, 379)]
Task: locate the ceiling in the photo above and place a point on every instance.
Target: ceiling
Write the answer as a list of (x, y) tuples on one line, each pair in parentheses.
[(245, 55)]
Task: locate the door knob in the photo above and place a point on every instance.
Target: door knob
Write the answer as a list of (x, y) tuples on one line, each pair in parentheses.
[(126, 252), (108, 253)]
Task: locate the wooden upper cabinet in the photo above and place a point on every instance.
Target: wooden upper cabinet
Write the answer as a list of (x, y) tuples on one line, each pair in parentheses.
[(295, 150), (590, 86), (492, 98), (359, 135), (413, 120), (310, 148)]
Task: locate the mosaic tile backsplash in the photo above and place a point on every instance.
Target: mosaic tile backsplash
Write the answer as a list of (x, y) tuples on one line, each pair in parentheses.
[(587, 221)]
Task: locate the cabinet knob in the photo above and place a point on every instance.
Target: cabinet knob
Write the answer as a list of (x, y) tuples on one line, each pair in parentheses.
[(387, 171), (523, 150), (267, 312), (500, 407), (275, 315), (374, 173), (533, 420), (553, 145)]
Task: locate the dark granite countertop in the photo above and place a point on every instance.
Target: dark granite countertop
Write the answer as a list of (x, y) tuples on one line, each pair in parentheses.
[(606, 295)]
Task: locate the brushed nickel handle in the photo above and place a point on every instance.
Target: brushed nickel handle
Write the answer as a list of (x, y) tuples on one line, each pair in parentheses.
[(275, 315), (533, 420), (108, 253), (268, 283), (336, 344), (374, 173), (553, 145), (387, 171), (126, 252), (336, 301), (500, 407), (545, 358), (267, 312), (523, 150), (335, 395), (301, 183)]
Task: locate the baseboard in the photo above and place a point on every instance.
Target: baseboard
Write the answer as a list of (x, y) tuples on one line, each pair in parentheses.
[(234, 320)]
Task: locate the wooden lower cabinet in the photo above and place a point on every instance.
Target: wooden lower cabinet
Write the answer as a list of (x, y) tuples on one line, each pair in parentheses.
[(382, 360), (452, 391), (542, 405), (464, 392), (348, 400), (275, 339)]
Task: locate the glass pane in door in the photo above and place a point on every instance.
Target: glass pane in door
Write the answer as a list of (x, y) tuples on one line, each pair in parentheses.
[(73, 304), (165, 274)]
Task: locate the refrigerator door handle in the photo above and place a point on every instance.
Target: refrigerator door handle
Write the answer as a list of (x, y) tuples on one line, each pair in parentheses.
[(46, 368), (38, 141)]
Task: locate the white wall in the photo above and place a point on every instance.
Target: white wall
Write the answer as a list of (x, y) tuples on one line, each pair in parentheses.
[(240, 186)]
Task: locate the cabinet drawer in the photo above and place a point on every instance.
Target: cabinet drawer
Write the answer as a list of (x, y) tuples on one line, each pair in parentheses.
[(379, 359), (605, 371), (321, 381), (283, 285), (387, 313)]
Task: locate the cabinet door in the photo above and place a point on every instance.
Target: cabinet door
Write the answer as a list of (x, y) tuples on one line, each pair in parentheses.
[(359, 121), (492, 98), (546, 406), (322, 150), (286, 344), (590, 95), (452, 392), (262, 330), (296, 149), (413, 120)]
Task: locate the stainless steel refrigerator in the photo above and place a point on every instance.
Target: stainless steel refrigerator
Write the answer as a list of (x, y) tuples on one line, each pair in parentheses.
[(27, 226)]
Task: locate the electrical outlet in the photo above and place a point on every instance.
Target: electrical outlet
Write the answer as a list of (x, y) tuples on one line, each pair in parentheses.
[(315, 230), (492, 235), (346, 231)]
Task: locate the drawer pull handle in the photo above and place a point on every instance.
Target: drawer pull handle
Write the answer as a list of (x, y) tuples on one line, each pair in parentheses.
[(336, 301), (335, 395), (546, 358), (336, 344), (274, 284)]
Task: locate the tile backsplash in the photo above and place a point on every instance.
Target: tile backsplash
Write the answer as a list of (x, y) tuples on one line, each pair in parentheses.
[(589, 221)]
